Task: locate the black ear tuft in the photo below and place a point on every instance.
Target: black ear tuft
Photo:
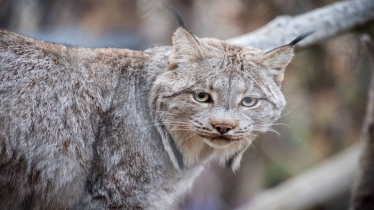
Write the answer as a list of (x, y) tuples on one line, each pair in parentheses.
[(178, 15), (299, 38)]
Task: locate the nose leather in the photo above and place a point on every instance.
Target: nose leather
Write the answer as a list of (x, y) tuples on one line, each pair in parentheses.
[(223, 128)]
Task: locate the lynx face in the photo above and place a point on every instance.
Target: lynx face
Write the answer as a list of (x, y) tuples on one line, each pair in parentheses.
[(216, 98)]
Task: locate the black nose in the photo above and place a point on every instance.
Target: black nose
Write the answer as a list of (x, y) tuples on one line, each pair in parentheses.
[(223, 128)]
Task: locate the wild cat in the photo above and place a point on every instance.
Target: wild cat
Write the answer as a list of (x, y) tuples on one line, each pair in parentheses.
[(107, 128)]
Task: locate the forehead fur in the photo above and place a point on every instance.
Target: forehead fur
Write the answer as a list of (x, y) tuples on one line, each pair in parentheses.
[(221, 60), (219, 46)]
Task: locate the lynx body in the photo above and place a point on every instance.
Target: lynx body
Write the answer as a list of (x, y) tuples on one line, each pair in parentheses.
[(120, 129)]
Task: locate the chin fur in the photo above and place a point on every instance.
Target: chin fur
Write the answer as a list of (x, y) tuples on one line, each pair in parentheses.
[(197, 149), (193, 148)]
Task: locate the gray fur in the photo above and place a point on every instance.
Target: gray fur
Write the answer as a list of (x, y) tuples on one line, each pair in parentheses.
[(92, 128)]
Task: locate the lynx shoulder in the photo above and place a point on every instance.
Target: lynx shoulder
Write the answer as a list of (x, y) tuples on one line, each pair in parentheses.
[(112, 128)]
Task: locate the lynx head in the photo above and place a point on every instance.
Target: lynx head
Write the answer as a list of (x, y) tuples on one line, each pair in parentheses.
[(215, 98)]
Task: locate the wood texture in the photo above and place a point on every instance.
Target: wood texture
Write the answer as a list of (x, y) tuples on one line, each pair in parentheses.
[(327, 22)]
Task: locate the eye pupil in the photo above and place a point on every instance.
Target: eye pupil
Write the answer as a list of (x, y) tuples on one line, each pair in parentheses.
[(201, 95), (248, 100)]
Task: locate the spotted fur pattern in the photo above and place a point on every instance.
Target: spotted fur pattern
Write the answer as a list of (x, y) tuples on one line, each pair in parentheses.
[(120, 129)]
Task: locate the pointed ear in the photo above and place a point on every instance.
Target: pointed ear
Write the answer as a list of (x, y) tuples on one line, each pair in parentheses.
[(186, 48), (275, 61)]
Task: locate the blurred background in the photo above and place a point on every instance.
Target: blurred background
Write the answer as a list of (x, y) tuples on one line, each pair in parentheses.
[(325, 85)]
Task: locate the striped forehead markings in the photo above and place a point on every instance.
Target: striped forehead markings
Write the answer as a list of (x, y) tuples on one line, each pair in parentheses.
[(227, 102)]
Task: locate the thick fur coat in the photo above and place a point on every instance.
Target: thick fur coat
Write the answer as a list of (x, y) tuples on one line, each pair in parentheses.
[(120, 129)]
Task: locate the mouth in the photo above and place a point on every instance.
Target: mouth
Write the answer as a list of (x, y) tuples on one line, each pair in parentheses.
[(219, 141), (219, 138)]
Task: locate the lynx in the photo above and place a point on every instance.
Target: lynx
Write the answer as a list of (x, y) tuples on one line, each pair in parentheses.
[(113, 128)]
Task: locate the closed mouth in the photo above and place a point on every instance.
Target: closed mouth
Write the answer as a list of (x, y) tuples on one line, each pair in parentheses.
[(220, 137)]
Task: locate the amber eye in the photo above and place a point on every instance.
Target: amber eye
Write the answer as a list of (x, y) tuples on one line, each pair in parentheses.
[(249, 101), (202, 97)]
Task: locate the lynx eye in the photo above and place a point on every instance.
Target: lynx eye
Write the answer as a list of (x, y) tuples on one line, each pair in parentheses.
[(249, 101), (202, 97)]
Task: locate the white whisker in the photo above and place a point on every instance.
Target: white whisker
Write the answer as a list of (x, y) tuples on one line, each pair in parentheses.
[(189, 137), (269, 125), (285, 114), (164, 112), (249, 119), (156, 124), (182, 130), (274, 131)]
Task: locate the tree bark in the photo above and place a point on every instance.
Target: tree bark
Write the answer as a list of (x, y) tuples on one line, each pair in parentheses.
[(327, 22)]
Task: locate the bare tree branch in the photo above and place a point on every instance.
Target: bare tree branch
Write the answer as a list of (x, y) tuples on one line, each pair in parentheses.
[(328, 22), (315, 186), (363, 193)]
